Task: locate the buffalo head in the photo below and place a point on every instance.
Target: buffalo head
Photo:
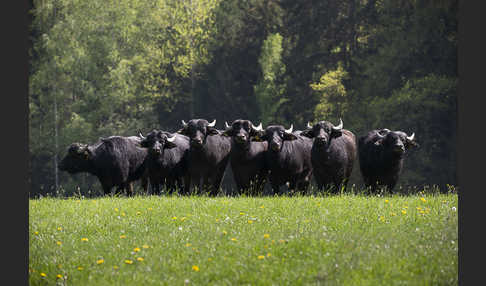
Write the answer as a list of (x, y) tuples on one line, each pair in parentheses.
[(77, 159), (197, 130), (157, 140), (242, 131), (323, 132), (275, 135)]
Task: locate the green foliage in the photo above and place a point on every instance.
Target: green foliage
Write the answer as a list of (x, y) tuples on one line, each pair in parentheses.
[(336, 240), (270, 91), (332, 102)]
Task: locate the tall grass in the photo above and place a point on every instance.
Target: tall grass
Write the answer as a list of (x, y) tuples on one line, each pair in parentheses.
[(346, 239)]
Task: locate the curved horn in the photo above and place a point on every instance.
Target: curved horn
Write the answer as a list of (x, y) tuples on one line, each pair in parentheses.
[(309, 126), (226, 125), (171, 139), (411, 136), (257, 128), (340, 126), (140, 134), (212, 123), (290, 129), (184, 123)]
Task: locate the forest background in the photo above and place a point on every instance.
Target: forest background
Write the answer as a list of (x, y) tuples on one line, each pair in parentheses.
[(102, 68)]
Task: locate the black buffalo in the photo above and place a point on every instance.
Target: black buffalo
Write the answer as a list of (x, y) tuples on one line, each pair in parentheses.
[(116, 161), (288, 158), (167, 160), (333, 154), (381, 154), (208, 154), (247, 157)]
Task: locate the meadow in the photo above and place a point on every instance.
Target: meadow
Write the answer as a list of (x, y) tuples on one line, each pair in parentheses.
[(346, 239)]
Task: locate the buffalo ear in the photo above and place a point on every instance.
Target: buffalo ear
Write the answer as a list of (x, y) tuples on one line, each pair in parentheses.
[(336, 133), (169, 145), (289, 136), (307, 133), (212, 131)]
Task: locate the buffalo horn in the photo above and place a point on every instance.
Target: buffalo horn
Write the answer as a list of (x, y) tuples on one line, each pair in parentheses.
[(212, 123), (309, 126), (226, 125), (257, 128), (340, 126), (140, 134), (411, 136), (290, 129), (171, 139), (184, 124)]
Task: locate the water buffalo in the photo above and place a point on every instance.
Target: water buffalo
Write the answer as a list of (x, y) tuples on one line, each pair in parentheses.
[(208, 154), (167, 160), (247, 157), (116, 161), (333, 154), (381, 154), (288, 158)]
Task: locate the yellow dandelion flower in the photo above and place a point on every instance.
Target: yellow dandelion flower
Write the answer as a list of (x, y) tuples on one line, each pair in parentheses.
[(145, 246), (266, 235), (136, 249), (419, 208), (139, 213), (36, 232), (123, 236), (150, 209), (58, 242), (423, 199), (262, 206), (405, 207), (123, 214), (116, 209), (195, 268), (128, 261), (233, 239), (43, 274), (269, 254), (59, 228), (84, 239), (250, 221), (242, 213), (225, 232), (386, 201), (382, 218), (404, 212), (140, 258), (174, 217), (183, 218), (273, 241), (217, 220), (188, 244), (59, 276), (115, 267), (100, 261), (80, 268), (261, 256)]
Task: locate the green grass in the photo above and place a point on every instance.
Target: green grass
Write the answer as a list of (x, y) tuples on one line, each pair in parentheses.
[(334, 240)]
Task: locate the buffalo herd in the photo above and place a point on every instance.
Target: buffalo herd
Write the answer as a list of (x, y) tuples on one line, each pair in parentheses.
[(194, 158)]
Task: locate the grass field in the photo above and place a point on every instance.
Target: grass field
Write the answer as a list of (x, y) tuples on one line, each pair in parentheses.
[(303, 240)]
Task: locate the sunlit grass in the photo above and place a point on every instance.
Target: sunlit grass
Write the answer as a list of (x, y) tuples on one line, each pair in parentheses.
[(170, 240)]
